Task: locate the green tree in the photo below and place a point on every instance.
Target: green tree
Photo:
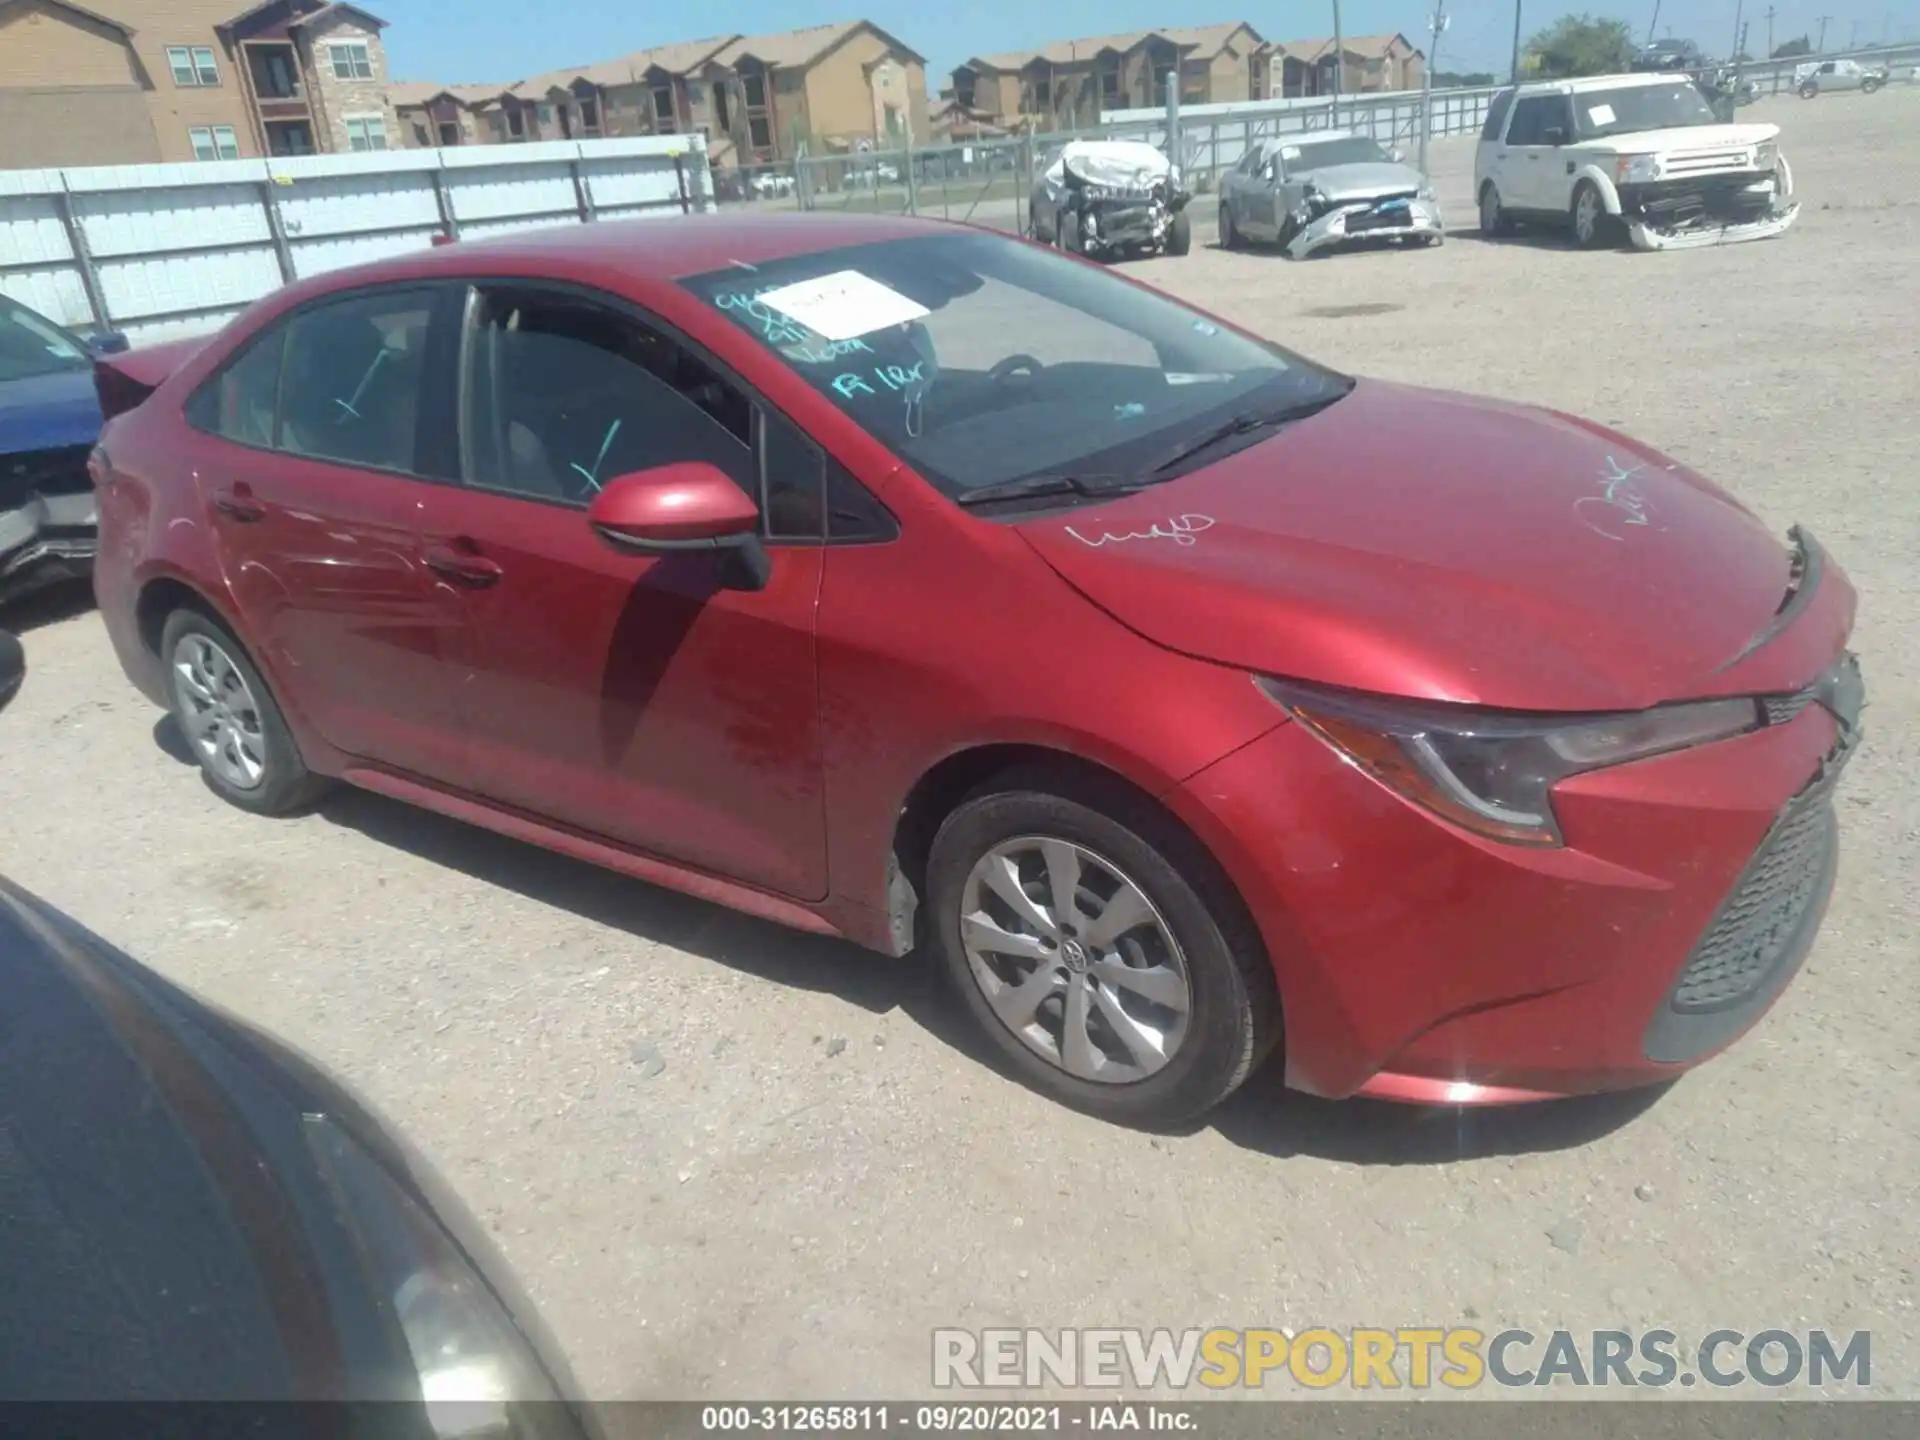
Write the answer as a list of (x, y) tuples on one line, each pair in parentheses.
[(1472, 80), (1580, 45), (1800, 46)]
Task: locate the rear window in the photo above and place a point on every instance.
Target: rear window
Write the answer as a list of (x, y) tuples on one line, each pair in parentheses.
[(1497, 115)]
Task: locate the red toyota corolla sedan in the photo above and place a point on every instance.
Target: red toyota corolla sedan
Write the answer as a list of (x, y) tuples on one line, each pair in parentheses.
[(918, 584)]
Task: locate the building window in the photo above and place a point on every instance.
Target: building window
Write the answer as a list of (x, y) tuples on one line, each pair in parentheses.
[(516, 125), (352, 60), (1110, 85), (214, 142), (420, 135), (589, 115), (449, 133), (720, 107), (1043, 94), (759, 133), (366, 132), (193, 67), (663, 104), (289, 137), (543, 116), (755, 87)]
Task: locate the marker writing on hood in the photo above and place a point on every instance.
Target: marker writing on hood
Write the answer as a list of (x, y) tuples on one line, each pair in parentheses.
[(1617, 505), (1180, 529)]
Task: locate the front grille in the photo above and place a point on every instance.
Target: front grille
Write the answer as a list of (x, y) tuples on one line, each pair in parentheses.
[(1757, 925), (1387, 215), (1783, 708), (1700, 162), (43, 472)]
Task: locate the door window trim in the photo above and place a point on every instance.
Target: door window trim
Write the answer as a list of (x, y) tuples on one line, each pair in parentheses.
[(639, 314)]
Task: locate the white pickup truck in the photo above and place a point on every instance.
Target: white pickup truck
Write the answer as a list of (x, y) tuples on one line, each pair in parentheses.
[(1643, 154)]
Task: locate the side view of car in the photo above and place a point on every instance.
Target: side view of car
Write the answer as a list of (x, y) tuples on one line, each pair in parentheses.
[(1828, 76), (49, 419), (1313, 192), (1639, 155), (922, 585)]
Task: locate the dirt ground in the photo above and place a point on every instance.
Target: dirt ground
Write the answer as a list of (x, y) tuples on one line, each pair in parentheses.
[(822, 1171)]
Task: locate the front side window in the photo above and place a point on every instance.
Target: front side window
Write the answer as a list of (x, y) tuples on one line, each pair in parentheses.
[(350, 391), (980, 360), (214, 142), (1532, 117), (1676, 104), (562, 394), (352, 60), (32, 345)]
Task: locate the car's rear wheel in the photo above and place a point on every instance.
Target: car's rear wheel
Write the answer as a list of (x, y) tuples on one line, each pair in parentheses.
[(1867, 87), (1099, 949), (1494, 220), (1591, 224), (230, 720)]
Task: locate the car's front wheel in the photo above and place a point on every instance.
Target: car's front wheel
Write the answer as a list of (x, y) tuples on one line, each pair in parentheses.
[(1229, 236), (1099, 949), (1592, 225), (230, 721), (1180, 234)]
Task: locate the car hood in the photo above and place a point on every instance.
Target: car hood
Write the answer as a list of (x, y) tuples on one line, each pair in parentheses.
[(1680, 138), (1363, 181), (48, 412), (1420, 543)]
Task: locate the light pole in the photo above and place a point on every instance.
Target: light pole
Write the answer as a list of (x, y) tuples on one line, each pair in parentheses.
[(1436, 24), (1516, 42), (1339, 63)]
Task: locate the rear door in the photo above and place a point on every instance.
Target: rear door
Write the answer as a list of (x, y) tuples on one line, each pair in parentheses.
[(332, 434), (1489, 154), (639, 698)]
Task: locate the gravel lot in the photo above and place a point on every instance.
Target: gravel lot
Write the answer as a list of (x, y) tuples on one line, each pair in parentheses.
[(824, 1169)]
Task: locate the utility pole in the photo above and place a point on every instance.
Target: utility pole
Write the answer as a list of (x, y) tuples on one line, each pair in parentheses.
[(1436, 23), (1820, 45), (1769, 32), (1654, 22), (1339, 64), (1516, 42), (1737, 28), (1853, 36)]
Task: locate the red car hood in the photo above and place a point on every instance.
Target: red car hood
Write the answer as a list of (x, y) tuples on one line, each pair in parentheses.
[(1421, 543)]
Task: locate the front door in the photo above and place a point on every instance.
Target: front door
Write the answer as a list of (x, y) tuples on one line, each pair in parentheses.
[(1262, 190), (642, 699), (1526, 166), (318, 508)]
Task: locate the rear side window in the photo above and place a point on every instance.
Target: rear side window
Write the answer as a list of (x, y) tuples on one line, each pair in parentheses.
[(239, 402), (351, 380), (1497, 115)]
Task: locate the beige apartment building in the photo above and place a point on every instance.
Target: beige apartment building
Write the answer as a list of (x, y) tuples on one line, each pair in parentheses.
[(116, 82), (757, 98), (1372, 63), (1071, 82)]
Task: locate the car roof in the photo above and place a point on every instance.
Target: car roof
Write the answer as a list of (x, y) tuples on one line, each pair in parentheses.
[(1310, 137), (1587, 83)]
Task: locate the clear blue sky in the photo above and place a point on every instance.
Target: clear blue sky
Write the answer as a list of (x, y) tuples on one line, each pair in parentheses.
[(508, 39)]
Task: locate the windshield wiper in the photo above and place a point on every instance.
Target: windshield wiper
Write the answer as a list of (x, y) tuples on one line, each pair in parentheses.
[(1245, 424), (1049, 483)]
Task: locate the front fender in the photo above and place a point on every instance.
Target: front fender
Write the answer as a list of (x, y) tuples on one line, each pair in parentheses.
[(1601, 181)]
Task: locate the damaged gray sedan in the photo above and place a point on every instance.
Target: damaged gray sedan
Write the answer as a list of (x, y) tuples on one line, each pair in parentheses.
[(1323, 189)]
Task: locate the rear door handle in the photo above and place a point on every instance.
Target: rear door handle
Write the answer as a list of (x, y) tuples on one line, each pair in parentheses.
[(462, 566), (239, 504)]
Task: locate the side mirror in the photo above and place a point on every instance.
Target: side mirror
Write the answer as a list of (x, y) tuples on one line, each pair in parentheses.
[(1399, 157), (110, 342), (691, 506), (13, 667), (1555, 136)]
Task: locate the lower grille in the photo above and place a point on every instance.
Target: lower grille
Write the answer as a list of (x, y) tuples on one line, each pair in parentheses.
[(1389, 216), (43, 472), (1754, 930)]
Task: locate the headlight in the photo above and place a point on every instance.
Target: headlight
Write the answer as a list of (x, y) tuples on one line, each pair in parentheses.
[(480, 1378), (1425, 192), (1491, 773), (1637, 169), (1766, 155)]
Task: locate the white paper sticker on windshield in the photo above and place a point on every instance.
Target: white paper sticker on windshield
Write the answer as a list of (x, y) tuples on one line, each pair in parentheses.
[(1289, 152), (843, 305), (1600, 114)]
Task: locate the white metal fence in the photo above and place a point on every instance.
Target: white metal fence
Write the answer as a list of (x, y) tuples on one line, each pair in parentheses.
[(162, 251)]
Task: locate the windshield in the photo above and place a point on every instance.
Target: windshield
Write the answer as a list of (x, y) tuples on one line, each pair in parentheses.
[(980, 360), (1669, 106), (31, 345), (1355, 150)]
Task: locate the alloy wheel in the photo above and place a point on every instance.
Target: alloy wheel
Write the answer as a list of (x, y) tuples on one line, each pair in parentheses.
[(1586, 216), (218, 712), (1075, 959)]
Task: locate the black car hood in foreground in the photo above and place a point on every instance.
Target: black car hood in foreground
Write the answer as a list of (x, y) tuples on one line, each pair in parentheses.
[(169, 1233)]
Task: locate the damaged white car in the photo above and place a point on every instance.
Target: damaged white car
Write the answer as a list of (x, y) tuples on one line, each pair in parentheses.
[(1314, 192), (1112, 198), (1639, 154)]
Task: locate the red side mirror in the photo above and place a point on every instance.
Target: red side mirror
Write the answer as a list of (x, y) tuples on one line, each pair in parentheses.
[(693, 506)]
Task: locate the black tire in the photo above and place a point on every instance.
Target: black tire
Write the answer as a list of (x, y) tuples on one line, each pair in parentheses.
[(1494, 220), (1234, 1021), (1808, 91), (285, 784), (1180, 234), (1598, 231), (1229, 237), (1867, 87)]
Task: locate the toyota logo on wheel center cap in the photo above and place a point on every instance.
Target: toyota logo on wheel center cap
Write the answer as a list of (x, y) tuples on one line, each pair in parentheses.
[(1075, 955)]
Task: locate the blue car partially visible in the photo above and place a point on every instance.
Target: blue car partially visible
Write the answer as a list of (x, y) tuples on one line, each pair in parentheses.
[(49, 420)]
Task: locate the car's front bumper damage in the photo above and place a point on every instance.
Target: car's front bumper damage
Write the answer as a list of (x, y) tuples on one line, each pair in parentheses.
[(47, 539), (1349, 222), (1720, 210)]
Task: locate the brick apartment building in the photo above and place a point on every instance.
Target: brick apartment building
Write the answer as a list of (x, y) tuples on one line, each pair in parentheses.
[(116, 82), (1373, 63), (756, 98), (1070, 82)]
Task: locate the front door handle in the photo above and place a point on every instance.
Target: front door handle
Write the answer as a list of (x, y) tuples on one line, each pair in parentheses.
[(239, 504), (463, 566)]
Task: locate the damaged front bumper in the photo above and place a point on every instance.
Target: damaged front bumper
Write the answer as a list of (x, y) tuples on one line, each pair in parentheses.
[(1696, 215), (47, 539), (1351, 222)]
